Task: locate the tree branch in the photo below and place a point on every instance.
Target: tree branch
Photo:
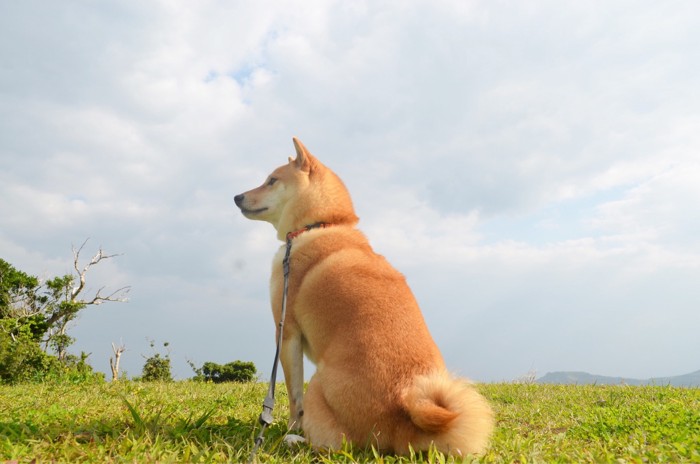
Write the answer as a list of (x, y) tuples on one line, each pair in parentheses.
[(98, 299), (99, 256)]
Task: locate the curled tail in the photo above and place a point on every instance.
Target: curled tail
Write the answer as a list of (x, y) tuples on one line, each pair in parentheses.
[(448, 412)]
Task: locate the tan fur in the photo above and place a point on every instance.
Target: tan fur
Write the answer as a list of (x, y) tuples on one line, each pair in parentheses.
[(380, 379)]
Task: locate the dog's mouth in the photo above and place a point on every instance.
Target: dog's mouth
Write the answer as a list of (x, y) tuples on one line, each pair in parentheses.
[(252, 211)]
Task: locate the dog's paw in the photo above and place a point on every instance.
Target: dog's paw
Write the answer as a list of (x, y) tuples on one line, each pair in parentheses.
[(294, 440)]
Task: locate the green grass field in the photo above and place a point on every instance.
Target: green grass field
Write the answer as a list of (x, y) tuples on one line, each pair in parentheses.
[(199, 422)]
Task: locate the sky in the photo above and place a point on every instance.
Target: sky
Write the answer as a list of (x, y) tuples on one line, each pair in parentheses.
[(532, 168)]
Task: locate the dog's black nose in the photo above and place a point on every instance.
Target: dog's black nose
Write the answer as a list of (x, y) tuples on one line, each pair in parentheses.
[(239, 199)]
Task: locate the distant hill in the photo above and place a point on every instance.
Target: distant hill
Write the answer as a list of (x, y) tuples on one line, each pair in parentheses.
[(584, 378)]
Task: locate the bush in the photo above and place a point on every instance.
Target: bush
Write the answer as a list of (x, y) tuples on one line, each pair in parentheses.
[(77, 370), (22, 359), (157, 367), (236, 371)]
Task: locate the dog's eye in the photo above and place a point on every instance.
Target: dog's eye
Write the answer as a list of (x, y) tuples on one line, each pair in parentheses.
[(271, 181)]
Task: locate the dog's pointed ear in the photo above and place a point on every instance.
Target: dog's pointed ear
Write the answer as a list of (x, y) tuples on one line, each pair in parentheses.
[(303, 159)]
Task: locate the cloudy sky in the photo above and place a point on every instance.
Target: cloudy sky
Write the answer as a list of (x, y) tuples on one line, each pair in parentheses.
[(533, 168)]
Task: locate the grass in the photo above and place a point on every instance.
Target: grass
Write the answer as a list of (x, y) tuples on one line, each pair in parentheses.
[(199, 422)]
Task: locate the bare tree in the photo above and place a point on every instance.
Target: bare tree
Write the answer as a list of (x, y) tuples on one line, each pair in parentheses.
[(117, 295), (67, 301), (114, 362)]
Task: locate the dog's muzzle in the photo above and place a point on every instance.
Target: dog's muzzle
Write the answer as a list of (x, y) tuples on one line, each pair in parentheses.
[(239, 199)]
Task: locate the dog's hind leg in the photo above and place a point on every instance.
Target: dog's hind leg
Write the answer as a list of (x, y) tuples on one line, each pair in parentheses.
[(320, 425)]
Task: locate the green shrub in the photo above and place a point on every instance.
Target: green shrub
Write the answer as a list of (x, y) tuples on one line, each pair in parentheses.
[(21, 357), (22, 360), (236, 371), (157, 368)]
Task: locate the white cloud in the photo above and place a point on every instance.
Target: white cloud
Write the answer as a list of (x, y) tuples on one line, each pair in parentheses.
[(658, 209), (531, 168)]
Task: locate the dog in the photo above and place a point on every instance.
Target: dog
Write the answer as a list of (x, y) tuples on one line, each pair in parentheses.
[(380, 379)]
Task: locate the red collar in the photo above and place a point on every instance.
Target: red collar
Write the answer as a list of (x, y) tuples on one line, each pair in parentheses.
[(296, 233)]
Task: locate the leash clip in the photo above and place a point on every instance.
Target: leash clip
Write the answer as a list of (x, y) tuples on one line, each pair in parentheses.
[(266, 414)]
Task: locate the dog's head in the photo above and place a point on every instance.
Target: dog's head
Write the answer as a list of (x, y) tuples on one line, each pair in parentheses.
[(299, 193)]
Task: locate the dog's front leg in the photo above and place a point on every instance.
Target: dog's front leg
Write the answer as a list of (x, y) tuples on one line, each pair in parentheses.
[(292, 357)]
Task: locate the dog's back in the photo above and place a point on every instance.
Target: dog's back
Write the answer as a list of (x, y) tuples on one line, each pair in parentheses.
[(379, 372)]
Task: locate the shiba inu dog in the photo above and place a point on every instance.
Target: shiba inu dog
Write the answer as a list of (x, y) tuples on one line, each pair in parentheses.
[(380, 379)]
